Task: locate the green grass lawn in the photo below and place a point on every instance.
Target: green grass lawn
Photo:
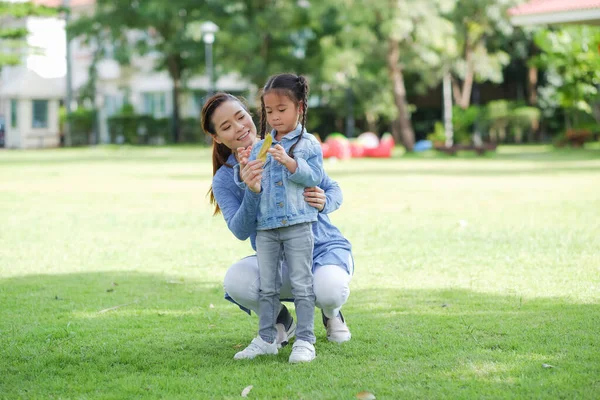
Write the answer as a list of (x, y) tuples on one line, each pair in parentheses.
[(476, 277)]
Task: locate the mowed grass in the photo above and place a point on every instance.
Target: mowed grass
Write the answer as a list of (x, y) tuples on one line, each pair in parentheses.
[(476, 277)]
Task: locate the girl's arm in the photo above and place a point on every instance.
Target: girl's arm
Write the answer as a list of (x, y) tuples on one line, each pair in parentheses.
[(309, 171)]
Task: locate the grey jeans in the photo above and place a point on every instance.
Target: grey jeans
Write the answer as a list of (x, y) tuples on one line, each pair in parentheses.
[(295, 243)]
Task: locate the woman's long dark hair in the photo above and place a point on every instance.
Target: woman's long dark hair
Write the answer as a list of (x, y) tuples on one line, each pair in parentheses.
[(220, 152), (295, 87)]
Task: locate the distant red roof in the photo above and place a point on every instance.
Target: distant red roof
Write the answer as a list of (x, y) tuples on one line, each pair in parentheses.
[(58, 3), (534, 7)]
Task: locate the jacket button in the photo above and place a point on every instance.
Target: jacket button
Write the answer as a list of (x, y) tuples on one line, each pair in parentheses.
[(284, 221), (281, 204), (279, 183)]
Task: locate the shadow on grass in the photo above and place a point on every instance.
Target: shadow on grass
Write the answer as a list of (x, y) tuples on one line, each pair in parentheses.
[(170, 338)]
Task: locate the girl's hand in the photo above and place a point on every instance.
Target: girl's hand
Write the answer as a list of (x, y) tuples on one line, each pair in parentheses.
[(315, 196), (280, 155)]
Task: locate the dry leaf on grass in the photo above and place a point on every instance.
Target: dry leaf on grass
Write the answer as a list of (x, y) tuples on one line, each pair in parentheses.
[(211, 305), (246, 390), (365, 396), (547, 366), (237, 346), (113, 308)]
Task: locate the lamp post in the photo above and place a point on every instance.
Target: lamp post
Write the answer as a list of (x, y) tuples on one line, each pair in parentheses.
[(69, 85), (206, 31)]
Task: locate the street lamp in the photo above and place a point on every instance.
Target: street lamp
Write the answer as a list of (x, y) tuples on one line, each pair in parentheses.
[(206, 31)]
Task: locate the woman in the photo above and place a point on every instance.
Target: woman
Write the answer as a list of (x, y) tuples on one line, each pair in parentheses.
[(227, 120)]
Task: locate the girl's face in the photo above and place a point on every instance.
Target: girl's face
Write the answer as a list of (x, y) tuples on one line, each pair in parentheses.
[(233, 126), (282, 113)]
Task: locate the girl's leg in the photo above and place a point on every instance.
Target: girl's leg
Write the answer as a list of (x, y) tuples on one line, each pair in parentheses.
[(242, 283), (269, 251), (298, 244)]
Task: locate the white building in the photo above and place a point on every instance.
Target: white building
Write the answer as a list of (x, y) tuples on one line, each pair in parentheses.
[(25, 90)]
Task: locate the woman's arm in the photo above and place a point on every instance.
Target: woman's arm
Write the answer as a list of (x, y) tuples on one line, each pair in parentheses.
[(239, 207), (333, 194)]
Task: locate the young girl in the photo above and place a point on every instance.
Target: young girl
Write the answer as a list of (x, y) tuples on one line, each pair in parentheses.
[(284, 219)]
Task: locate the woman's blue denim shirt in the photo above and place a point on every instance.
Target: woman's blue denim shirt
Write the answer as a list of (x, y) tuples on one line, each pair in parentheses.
[(282, 195)]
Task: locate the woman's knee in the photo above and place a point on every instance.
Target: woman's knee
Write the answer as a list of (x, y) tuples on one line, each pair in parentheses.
[(241, 280), (331, 286)]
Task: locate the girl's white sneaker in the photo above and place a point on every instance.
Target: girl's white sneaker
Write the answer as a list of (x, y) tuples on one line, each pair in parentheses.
[(257, 347), (302, 351)]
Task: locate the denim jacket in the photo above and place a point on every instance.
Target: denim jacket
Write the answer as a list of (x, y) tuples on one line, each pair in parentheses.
[(282, 195)]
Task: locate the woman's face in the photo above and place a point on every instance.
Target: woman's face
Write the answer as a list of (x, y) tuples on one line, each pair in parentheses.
[(233, 126)]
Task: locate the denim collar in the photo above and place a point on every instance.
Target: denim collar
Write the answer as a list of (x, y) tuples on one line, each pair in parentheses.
[(291, 135)]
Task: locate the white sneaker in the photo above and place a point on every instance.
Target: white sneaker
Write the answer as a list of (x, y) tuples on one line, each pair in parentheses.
[(302, 351), (257, 347), (337, 330), (283, 335)]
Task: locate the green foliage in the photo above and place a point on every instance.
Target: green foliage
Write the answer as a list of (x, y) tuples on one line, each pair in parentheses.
[(12, 33), (83, 124), (570, 57), (503, 117), (438, 136), (463, 121)]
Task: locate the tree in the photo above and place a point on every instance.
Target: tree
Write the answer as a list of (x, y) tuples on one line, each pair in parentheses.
[(259, 38), (477, 23), (12, 34), (395, 36), (570, 57), (155, 28)]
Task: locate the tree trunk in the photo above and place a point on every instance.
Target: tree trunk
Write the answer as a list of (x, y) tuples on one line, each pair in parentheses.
[(532, 79), (462, 96), (174, 67), (176, 126), (406, 135)]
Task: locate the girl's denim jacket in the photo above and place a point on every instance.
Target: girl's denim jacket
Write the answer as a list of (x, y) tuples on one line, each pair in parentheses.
[(282, 193)]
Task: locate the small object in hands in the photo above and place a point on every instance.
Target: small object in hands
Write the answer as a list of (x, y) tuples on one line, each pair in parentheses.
[(262, 153)]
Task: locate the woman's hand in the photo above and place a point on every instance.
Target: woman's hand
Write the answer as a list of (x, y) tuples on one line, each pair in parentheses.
[(250, 171), (315, 196)]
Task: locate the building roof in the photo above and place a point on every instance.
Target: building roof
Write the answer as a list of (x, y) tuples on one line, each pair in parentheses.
[(544, 12), (29, 85), (553, 6), (58, 3)]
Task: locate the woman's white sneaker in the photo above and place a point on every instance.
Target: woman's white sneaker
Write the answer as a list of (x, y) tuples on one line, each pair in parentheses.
[(257, 347), (283, 335), (337, 330), (302, 351)]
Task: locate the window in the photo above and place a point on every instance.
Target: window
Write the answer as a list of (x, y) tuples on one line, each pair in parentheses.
[(155, 104), (112, 105), (40, 114), (13, 113)]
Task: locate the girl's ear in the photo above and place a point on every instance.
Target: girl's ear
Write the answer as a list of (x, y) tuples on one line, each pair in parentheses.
[(301, 107)]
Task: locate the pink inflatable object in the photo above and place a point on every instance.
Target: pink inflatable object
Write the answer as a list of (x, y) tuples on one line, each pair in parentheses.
[(357, 149), (369, 140), (339, 146), (384, 150)]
